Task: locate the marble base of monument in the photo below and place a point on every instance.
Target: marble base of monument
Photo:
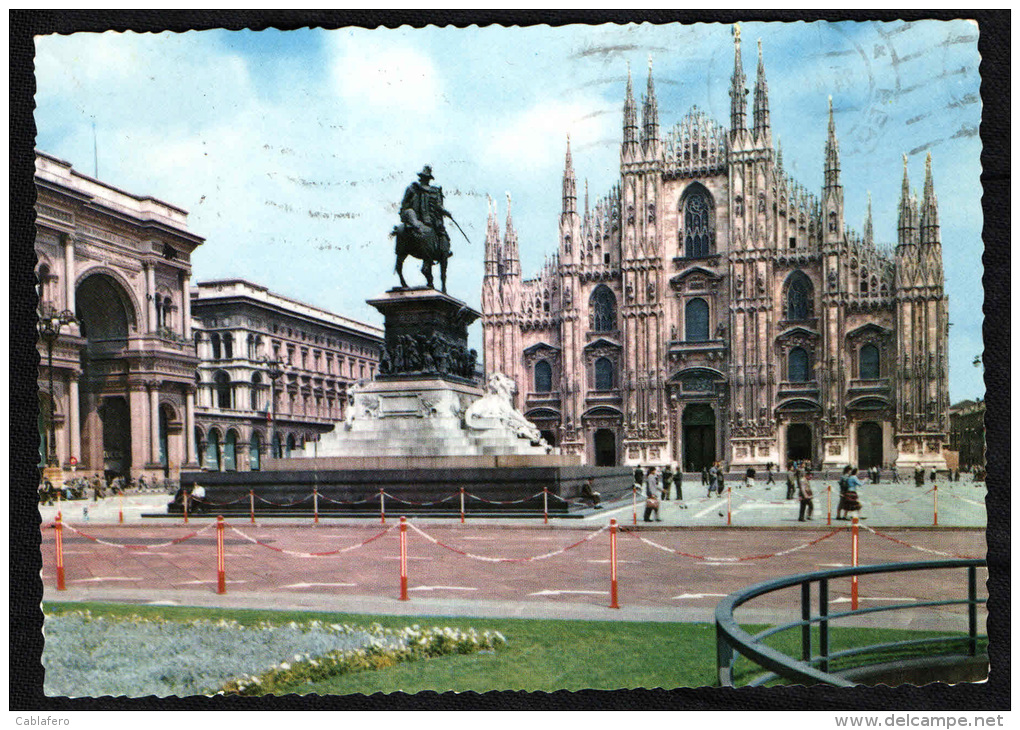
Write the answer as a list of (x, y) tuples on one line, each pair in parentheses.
[(417, 491)]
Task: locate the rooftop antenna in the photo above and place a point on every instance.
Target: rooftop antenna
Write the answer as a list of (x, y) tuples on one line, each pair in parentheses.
[(95, 151)]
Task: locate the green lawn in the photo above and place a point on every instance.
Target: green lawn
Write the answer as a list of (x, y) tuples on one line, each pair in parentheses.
[(542, 655)]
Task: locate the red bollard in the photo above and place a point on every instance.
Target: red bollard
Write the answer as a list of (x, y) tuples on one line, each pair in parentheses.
[(221, 558), (403, 559), (185, 508), (635, 506), (935, 521), (315, 503), (59, 527), (853, 561), (251, 504), (613, 602), (120, 514), (382, 507), (462, 505), (729, 505), (828, 505), (545, 504)]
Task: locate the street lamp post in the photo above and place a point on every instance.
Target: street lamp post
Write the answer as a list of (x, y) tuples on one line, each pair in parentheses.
[(50, 325), (275, 369)]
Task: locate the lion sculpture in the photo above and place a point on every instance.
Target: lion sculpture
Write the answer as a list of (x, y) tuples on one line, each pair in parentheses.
[(498, 405)]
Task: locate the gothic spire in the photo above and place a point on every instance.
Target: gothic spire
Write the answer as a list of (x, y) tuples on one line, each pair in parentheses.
[(586, 197), (907, 223), (492, 248), (510, 251), (779, 154), (929, 207), (650, 111), (738, 86), (831, 153), (569, 184), (869, 228), (762, 124), (630, 126)]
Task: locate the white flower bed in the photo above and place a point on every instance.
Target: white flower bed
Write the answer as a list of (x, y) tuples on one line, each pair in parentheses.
[(92, 656)]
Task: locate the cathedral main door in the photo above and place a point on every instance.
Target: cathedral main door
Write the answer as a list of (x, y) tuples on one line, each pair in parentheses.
[(699, 437), (869, 445), (798, 443), (605, 448)]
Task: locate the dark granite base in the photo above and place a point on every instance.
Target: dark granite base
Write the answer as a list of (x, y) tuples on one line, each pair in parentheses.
[(409, 491)]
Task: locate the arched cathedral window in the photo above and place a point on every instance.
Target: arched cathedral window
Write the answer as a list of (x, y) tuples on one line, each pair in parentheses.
[(696, 321), (698, 230), (543, 376), (603, 308), (603, 374), (799, 294), (869, 363), (797, 365)]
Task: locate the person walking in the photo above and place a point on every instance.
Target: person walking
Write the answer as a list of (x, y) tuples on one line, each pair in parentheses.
[(667, 481), (678, 480), (918, 476), (771, 477), (934, 474), (895, 474), (853, 493), (704, 476), (841, 507), (749, 477), (791, 487), (653, 493), (806, 496), (713, 478)]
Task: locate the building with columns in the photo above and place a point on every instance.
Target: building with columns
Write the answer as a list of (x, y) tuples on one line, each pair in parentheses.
[(247, 408), (709, 307), (123, 369)]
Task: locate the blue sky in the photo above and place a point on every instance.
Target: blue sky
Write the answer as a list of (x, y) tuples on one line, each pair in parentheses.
[(291, 149)]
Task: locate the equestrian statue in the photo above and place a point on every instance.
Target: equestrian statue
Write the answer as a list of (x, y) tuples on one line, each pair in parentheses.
[(421, 232)]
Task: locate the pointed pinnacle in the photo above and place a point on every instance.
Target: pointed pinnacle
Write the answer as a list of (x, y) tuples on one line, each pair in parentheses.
[(929, 185)]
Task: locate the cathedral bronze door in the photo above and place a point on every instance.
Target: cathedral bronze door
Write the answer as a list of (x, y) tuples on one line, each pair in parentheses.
[(605, 448), (699, 437), (798, 443), (869, 445)]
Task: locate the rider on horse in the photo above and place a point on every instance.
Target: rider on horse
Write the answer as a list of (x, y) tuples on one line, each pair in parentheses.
[(422, 209)]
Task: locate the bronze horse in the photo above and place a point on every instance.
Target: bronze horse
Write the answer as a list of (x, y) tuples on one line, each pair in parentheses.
[(426, 245)]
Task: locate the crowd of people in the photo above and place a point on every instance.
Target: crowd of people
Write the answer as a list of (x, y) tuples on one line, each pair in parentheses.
[(657, 486), (97, 487)]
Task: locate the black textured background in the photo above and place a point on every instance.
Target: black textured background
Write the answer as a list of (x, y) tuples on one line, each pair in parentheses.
[(26, 672)]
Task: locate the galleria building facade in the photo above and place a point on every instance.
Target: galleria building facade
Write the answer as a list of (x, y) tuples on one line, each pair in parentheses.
[(709, 308)]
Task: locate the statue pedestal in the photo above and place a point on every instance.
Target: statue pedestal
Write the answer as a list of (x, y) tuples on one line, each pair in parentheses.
[(426, 336), (420, 403)]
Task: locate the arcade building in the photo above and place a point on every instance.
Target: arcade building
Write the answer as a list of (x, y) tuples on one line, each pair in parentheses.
[(115, 329)]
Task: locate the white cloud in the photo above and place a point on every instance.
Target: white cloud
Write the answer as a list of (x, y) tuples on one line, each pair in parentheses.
[(380, 72), (536, 137)]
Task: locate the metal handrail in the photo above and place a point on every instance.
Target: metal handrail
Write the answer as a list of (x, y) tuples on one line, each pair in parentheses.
[(731, 639)]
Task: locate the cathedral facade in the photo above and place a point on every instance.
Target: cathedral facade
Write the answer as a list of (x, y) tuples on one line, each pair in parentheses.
[(710, 308)]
